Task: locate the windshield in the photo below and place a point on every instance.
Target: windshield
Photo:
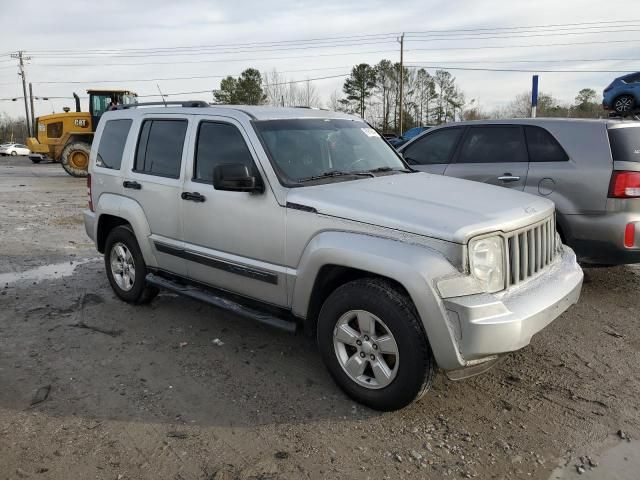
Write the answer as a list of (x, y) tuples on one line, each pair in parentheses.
[(334, 149)]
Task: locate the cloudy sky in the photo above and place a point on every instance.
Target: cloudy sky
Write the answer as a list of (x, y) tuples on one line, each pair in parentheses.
[(68, 42)]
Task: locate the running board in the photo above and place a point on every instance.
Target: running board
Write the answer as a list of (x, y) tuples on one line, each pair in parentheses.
[(221, 302)]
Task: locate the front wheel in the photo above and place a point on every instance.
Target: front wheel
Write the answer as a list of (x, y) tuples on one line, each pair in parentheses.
[(125, 266), (14, 153), (372, 343), (75, 159)]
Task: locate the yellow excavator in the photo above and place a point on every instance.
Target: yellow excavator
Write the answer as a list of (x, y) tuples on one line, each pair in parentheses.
[(66, 137)]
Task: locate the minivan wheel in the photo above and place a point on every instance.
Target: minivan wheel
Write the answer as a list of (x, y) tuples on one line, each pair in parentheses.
[(125, 266), (371, 341), (624, 104)]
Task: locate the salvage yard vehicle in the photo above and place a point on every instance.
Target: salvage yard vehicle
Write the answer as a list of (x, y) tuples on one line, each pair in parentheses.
[(590, 169), (622, 96), (14, 149), (308, 218), (66, 137)]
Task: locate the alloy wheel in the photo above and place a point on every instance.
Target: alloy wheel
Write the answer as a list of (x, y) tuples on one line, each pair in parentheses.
[(122, 266), (366, 349)]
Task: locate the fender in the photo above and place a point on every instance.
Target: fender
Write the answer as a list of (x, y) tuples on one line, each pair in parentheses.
[(132, 212), (415, 267)]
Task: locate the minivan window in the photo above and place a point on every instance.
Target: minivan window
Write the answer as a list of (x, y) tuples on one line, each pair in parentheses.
[(160, 146), (219, 143), (625, 144), (543, 147), (112, 142), (434, 148), (493, 144)]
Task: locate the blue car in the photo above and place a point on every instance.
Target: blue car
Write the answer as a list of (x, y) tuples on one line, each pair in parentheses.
[(408, 135), (623, 95)]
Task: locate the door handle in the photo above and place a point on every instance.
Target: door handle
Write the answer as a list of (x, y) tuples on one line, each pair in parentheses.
[(193, 196), (507, 178), (131, 184)]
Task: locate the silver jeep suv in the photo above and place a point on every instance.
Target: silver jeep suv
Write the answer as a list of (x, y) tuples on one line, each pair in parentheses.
[(299, 217)]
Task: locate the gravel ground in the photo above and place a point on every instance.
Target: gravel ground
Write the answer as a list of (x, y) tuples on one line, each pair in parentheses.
[(95, 388)]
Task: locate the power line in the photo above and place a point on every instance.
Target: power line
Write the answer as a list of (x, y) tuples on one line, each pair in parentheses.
[(226, 60), (517, 70), (203, 91), (197, 52), (197, 77), (224, 45), (490, 47), (506, 37), (532, 26)]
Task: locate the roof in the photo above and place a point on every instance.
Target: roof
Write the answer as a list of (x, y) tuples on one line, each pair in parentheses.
[(546, 121), (255, 112), (109, 90)]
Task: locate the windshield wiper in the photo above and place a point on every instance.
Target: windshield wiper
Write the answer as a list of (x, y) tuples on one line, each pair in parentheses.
[(334, 173), (386, 169)]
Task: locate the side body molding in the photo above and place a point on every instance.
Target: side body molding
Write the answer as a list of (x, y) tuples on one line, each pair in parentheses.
[(414, 267), (131, 211)]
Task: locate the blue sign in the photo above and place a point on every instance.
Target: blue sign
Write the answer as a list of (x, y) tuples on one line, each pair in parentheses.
[(534, 92)]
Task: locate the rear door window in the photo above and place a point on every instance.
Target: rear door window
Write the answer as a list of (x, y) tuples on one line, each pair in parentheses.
[(160, 147), (542, 146), (112, 141), (434, 148), (625, 144), (493, 144)]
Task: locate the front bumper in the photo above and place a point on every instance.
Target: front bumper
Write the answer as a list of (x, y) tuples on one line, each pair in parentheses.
[(488, 325)]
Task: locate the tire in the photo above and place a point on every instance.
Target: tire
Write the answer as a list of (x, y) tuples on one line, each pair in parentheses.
[(35, 160), (14, 153), (411, 370), (121, 244), (75, 158), (624, 104)]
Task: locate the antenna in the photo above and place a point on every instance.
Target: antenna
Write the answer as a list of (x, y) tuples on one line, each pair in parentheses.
[(161, 94)]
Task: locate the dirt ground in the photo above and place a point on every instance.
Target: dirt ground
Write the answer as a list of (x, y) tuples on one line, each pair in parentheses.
[(124, 392)]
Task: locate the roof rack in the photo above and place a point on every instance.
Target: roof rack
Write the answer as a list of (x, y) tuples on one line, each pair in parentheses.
[(181, 103)]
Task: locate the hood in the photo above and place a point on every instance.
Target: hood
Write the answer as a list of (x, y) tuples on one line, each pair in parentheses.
[(440, 207)]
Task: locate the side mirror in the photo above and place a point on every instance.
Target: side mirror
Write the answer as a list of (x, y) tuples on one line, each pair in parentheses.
[(235, 177)]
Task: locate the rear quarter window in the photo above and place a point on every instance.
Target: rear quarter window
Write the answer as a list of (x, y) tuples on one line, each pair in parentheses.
[(625, 144), (542, 146), (112, 141)]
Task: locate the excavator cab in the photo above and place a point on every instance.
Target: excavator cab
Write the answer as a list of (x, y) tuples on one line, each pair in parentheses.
[(99, 101)]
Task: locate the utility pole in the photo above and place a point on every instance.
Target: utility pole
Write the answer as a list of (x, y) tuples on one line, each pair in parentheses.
[(401, 40), (21, 58), (33, 120)]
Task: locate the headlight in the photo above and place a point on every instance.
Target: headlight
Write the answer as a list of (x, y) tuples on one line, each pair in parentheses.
[(486, 260)]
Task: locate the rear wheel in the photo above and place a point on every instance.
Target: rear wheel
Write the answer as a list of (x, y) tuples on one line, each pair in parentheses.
[(125, 266), (371, 341), (624, 104), (35, 159), (75, 158), (14, 153)]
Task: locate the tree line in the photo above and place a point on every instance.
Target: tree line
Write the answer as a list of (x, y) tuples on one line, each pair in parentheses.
[(373, 92)]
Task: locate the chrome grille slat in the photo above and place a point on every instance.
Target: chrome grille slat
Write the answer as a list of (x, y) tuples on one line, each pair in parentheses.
[(530, 250)]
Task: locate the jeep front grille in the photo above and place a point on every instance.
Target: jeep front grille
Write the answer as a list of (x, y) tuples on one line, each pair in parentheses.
[(530, 250)]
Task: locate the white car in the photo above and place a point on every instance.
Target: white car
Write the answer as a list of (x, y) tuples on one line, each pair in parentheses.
[(14, 149)]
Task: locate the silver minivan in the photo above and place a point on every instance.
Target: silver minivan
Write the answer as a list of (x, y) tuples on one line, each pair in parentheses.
[(589, 168)]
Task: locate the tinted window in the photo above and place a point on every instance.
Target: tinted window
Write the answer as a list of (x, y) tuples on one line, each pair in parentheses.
[(436, 147), (112, 143), (543, 147), (633, 78), (159, 149), (499, 144), (625, 144), (54, 130), (219, 143)]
